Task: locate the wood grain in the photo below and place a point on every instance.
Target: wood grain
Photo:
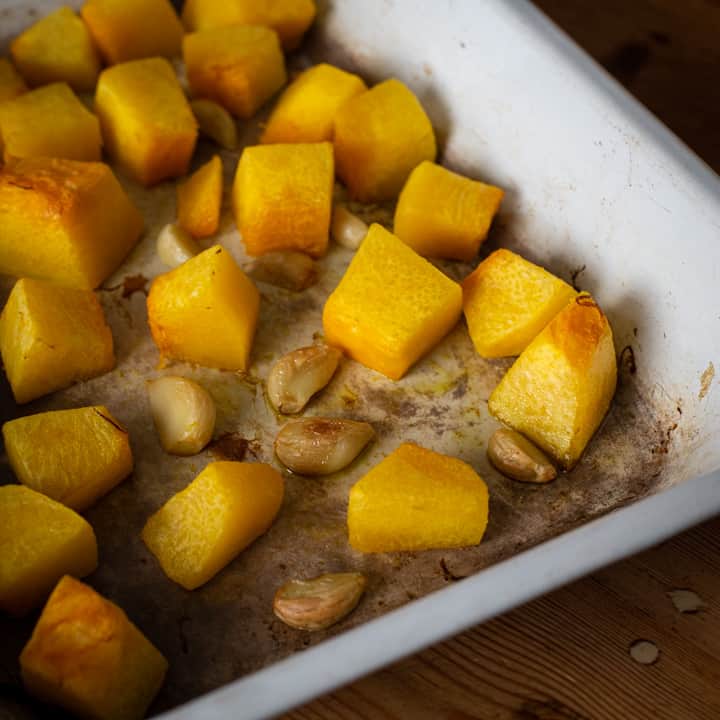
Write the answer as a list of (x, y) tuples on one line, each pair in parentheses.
[(667, 53), (566, 656)]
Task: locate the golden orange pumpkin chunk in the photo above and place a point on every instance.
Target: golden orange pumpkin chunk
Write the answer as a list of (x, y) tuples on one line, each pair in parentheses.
[(289, 18), (305, 112), (11, 82), (147, 123), (561, 386), (73, 456), (40, 541), (282, 197), (49, 122), (87, 657), (239, 66), (208, 14), (66, 221), (202, 528), (57, 48), (380, 136), (205, 311), (51, 337), (133, 29), (508, 300), (417, 499), (199, 199), (391, 306), (445, 215)]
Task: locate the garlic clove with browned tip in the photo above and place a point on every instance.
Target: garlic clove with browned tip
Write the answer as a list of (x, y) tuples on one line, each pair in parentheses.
[(346, 228), (320, 446), (318, 603), (215, 122), (183, 413), (516, 457), (297, 376)]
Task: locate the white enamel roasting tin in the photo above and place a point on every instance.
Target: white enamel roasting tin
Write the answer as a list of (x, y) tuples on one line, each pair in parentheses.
[(592, 176)]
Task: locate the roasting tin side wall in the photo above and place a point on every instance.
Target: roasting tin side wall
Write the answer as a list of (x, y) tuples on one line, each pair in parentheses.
[(580, 194)]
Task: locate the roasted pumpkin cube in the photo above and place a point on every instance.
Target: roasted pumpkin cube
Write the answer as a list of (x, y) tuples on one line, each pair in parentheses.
[(380, 136), (86, 656), (199, 199), (289, 18), (391, 306), (133, 29), (282, 197), (417, 499), (209, 14), (202, 528), (11, 82), (49, 122), (66, 221), (445, 215), (147, 123), (238, 66), (41, 541), (51, 337), (57, 48), (305, 112), (508, 300), (73, 456), (559, 389), (205, 311)]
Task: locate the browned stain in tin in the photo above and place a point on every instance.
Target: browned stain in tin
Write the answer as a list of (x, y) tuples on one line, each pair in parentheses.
[(461, 387), (230, 446), (448, 575), (575, 274), (706, 380), (663, 447), (626, 361)]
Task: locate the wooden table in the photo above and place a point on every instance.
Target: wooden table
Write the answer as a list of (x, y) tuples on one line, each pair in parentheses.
[(567, 656)]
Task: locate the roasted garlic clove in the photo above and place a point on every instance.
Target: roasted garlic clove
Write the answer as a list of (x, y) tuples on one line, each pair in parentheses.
[(183, 413), (175, 246), (288, 269), (318, 603), (515, 456), (297, 376), (215, 122), (346, 228), (320, 446)]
